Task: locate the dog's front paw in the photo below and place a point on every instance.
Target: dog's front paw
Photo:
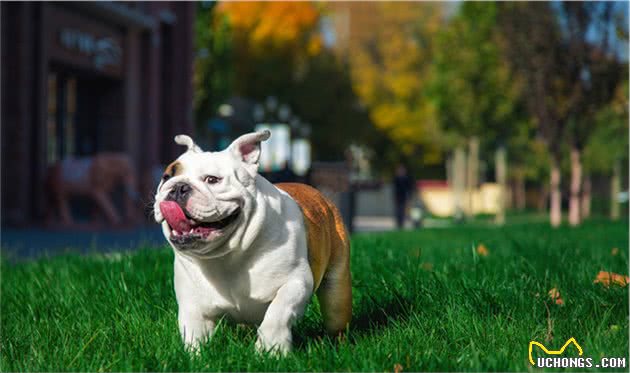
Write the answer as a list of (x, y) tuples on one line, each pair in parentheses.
[(275, 342), (193, 348)]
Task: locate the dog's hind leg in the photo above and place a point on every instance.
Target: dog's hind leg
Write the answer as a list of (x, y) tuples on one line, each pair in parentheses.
[(335, 290), (329, 255), (335, 298)]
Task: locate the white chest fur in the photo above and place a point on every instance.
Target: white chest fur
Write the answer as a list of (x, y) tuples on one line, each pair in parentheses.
[(245, 285)]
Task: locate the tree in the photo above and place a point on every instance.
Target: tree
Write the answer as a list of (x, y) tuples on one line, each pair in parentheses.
[(476, 94), (566, 74), (535, 51), (390, 67), (213, 73), (273, 42), (607, 147), (325, 98), (592, 58), (277, 50)]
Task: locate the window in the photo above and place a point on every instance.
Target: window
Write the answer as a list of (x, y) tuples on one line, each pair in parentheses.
[(60, 124)]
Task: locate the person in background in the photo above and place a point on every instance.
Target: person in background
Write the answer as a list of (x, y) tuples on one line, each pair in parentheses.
[(403, 187)]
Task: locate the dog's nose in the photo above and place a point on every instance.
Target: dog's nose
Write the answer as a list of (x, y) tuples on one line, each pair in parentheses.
[(179, 192)]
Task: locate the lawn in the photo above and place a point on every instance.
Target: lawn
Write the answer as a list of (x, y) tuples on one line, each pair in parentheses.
[(423, 300)]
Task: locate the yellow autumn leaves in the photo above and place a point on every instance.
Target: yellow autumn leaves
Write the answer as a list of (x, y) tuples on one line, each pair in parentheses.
[(390, 61), (610, 278), (603, 277), (276, 23), (482, 250), (554, 294)]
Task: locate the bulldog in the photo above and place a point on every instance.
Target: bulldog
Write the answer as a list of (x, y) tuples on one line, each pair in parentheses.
[(248, 249)]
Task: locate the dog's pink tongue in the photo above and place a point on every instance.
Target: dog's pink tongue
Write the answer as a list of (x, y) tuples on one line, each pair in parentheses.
[(174, 216)]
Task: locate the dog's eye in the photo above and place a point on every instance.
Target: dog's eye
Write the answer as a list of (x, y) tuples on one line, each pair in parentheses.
[(166, 177), (211, 179)]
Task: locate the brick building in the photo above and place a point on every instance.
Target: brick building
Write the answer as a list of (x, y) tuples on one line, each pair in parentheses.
[(80, 78)]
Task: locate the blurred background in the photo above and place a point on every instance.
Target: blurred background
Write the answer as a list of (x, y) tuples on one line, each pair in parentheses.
[(408, 115)]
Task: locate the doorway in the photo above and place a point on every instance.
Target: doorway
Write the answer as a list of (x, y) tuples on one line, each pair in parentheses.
[(61, 119), (85, 112)]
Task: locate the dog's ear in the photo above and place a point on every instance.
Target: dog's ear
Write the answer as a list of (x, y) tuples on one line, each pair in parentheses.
[(188, 142), (247, 147)]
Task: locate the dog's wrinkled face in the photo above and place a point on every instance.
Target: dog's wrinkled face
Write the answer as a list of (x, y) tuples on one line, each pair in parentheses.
[(205, 198)]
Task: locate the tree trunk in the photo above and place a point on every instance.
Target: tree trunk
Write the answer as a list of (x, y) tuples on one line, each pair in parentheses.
[(501, 178), (586, 197), (472, 174), (519, 191), (459, 180), (543, 197), (615, 188), (450, 170), (576, 184), (555, 196)]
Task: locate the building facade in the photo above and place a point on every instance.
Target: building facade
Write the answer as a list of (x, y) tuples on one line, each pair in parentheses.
[(80, 78)]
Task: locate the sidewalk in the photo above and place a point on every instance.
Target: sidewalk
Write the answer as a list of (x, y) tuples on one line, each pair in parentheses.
[(387, 223), (35, 242)]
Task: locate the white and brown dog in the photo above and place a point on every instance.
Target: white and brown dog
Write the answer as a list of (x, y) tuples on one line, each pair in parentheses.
[(249, 249)]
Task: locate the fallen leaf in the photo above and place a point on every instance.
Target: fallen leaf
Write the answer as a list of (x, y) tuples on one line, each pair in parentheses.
[(398, 368), (614, 328), (554, 294), (482, 250), (559, 302), (606, 278), (427, 266), (614, 251)]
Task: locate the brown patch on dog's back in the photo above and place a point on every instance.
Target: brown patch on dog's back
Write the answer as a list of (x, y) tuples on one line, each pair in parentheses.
[(328, 253)]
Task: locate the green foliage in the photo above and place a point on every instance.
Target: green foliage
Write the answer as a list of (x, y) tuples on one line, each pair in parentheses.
[(213, 74), (324, 98), (273, 42), (390, 69), (608, 143), (477, 93), (420, 82), (256, 50), (474, 91), (566, 56), (424, 300)]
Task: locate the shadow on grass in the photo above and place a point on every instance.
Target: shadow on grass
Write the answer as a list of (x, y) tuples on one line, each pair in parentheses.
[(373, 316)]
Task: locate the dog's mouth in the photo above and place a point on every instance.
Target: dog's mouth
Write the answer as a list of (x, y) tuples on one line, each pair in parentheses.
[(185, 229)]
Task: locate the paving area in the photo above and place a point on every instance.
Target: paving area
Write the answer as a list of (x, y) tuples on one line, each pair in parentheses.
[(35, 242)]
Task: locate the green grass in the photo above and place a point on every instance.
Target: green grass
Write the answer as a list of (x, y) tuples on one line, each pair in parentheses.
[(459, 312)]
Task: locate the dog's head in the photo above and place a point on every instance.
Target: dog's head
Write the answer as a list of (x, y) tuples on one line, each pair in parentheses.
[(206, 198)]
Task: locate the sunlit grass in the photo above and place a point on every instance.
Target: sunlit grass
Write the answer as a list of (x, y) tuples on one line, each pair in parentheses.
[(424, 300)]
